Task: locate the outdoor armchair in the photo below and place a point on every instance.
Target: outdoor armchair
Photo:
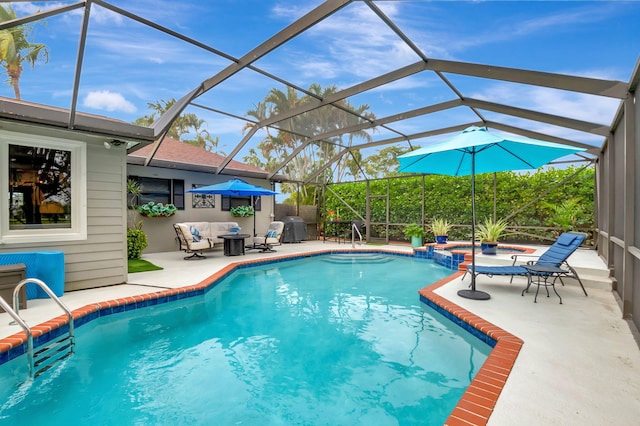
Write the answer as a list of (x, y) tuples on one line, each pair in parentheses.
[(191, 243), (272, 237)]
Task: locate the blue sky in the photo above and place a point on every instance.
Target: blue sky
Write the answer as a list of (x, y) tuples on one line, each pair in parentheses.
[(128, 65)]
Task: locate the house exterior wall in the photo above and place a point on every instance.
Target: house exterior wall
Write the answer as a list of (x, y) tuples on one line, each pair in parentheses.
[(160, 233), (101, 258)]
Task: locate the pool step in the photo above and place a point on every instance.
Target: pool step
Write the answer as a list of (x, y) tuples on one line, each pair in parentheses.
[(356, 258)]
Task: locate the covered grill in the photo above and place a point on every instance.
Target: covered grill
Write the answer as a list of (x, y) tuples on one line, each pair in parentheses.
[(295, 230)]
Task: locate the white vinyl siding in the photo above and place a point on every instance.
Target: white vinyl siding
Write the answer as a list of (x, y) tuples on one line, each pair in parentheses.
[(101, 258)]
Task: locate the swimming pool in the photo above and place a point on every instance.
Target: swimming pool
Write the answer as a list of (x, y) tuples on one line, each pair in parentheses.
[(276, 344)]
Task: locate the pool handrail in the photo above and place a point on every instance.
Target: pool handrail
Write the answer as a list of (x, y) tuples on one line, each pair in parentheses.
[(15, 314), (354, 230)]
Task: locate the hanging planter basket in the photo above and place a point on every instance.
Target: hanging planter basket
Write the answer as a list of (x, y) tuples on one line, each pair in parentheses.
[(152, 209), (242, 211)]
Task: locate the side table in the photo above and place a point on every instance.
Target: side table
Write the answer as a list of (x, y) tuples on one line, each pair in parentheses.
[(234, 244), (543, 275)]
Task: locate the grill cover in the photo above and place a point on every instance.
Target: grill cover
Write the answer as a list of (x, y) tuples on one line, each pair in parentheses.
[(295, 230)]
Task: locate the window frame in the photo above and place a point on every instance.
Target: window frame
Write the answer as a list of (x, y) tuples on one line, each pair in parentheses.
[(230, 201), (175, 193), (78, 229)]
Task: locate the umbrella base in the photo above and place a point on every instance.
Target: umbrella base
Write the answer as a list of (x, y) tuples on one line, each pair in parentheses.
[(474, 294)]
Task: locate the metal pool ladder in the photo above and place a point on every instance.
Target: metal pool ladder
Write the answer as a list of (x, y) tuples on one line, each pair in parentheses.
[(54, 350)]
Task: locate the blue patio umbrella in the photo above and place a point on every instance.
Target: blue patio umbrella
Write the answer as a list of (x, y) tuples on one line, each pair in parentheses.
[(235, 188), (475, 151)]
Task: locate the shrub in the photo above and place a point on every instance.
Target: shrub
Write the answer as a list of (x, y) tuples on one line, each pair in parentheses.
[(136, 242)]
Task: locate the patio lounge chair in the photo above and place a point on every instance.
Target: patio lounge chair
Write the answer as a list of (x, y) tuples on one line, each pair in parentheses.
[(554, 259), (190, 243), (272, 237)]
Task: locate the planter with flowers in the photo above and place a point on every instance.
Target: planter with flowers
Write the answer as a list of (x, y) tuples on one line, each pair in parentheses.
[(333, 216), (152, 209), (242, 211)]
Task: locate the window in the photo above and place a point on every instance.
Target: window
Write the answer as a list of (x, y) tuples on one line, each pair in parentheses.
[(45, 183), (228, 202), (163, 191)]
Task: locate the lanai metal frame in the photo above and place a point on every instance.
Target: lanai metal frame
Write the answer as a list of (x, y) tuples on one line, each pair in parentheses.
[(617, 159)]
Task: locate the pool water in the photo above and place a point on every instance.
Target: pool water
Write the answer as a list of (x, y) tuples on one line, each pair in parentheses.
[(310, 341)]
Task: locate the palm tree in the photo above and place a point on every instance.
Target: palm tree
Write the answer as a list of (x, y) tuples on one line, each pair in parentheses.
[(274, 148), (15, 49), (184, 124)]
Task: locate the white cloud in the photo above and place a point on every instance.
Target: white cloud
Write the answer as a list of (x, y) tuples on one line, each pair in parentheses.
[(338, 47), (552, 101), (109, 101), (580, 106)]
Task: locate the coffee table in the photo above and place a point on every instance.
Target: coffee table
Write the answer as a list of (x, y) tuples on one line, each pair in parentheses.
[(234, 244)]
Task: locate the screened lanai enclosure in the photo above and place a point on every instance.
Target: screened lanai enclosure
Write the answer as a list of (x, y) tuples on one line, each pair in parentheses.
[(322, 93)]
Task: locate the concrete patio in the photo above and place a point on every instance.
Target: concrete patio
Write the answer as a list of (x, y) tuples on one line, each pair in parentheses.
[(579, 364)]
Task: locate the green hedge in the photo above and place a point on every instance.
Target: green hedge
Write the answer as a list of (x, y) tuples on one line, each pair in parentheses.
[(449, 198)]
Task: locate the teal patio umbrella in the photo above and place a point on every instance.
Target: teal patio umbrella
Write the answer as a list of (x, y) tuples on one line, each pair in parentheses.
[(475, 151)]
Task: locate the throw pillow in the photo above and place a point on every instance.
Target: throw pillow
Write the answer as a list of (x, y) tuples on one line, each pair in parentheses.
[(195, 233), (566, 239), (271, 233)]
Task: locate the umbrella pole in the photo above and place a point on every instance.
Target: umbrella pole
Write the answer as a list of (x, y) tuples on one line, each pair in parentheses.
[(253, 199), (472, 293)]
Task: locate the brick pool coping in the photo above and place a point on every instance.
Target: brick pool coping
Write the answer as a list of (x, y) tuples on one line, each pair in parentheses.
[(474, 408)]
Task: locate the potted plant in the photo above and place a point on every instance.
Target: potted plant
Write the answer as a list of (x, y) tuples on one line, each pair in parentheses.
[(489, 233), (136, 237), (242, 211), (440, 228), (416, 233)]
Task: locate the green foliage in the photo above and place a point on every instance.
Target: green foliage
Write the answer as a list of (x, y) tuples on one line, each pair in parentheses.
[(152, 209), (136, 242), (186, 124), (133, 191), (140, 265), (16, 49), (414, 230), (278, 145), (490, 231), (566, 215), (440, 227), (378, 165), (449, 197), (242, 211)]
